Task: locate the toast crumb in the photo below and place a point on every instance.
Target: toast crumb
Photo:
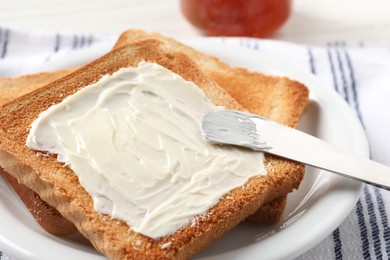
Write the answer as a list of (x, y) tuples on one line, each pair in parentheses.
[(166, 245)]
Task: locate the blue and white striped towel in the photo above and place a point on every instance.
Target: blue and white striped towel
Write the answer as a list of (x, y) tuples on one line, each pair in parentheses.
[(359, 72)]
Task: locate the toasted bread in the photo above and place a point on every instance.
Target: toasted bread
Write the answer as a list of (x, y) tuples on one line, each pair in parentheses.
[(59, 186), (47, 216), (11, 88)]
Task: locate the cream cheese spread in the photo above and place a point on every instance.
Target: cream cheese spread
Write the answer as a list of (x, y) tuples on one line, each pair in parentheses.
[(133, 139)]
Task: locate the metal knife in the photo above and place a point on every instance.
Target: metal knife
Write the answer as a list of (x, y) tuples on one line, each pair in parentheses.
[(255, 132)]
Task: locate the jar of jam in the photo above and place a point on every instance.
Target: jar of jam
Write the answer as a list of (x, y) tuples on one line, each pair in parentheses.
[(255, 18)]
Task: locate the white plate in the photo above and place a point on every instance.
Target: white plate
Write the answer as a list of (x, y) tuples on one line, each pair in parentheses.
[(316, 209)]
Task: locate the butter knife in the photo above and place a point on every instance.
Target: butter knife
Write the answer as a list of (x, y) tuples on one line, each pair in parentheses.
[(255, 132)]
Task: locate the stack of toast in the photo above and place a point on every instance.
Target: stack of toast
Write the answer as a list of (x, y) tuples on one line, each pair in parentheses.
[(58, 202)]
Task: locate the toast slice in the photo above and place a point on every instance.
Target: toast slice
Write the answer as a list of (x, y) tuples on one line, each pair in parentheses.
[(59, 186), (47, 216)]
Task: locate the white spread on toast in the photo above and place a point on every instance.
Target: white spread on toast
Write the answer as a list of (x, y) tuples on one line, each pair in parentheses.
[(133, 139)]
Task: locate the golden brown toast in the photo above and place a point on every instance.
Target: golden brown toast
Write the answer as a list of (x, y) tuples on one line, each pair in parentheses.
[(11, 88), (47, 216), (58, 185)]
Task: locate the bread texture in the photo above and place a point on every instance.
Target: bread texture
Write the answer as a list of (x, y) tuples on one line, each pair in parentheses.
[(59, 186), (11, 88)]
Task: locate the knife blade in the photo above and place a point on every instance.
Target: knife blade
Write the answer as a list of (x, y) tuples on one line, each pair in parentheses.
[(257, 133)]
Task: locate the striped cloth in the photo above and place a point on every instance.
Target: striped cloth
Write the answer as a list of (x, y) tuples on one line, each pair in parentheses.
[(359, 72)]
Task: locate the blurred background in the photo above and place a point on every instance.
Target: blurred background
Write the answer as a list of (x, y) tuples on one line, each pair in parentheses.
[(312, 21)]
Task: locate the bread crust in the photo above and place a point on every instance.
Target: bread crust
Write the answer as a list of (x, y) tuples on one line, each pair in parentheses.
[(58, 185), (271, 212), (46, 216)]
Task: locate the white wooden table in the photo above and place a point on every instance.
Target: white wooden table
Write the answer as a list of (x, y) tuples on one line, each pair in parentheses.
[(312, 22)]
